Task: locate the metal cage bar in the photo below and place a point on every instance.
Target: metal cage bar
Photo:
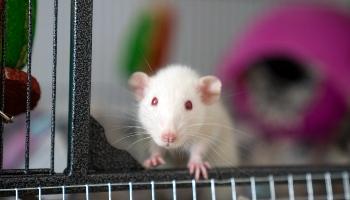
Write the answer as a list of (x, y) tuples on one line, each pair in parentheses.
[(153, 190), (310, 191), (39, 193), (233, 189), (80, 84), (87, 192), (272, 187), (212, 188), (130, 190), (291, 187), (329, 190), (174, 190), (2, 76), (16, 193), (194, 192), (109, 191), (346, 185), (63, 193), (253, 188), (29, 84), (53, 88)]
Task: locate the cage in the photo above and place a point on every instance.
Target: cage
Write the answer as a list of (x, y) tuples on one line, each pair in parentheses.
[(94, 169)]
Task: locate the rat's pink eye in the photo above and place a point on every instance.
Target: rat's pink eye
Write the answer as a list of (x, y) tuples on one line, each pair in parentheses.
[(188, 105), (154, 101)]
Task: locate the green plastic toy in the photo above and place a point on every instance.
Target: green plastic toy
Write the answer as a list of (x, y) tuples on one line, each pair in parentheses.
[(16, 31), (14, 37), (147, 44)]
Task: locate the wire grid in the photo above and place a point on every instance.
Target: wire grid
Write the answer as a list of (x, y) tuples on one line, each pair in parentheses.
[(29, 84), (2, 77), (251, 184)]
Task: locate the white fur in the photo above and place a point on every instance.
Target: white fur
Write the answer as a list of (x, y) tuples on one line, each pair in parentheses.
[(205, 132)]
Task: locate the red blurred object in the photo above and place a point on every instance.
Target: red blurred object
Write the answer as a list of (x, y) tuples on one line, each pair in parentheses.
[(16, 91)]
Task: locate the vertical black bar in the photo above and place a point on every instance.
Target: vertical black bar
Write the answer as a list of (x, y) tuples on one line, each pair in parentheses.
[(2, 73), (80, 83), (29, 86), (53, 95)]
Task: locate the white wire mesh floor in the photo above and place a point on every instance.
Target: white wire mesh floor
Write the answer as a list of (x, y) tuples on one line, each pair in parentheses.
[(328, 186)]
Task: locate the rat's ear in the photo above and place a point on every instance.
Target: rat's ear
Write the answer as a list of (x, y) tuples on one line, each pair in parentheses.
[(210, 89), (138, 83)]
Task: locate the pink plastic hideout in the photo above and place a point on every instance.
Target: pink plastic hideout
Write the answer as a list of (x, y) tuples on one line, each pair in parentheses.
[(318, 37)]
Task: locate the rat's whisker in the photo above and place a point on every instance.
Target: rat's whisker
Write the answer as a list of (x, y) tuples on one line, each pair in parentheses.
[(126, 137), (209, 141), (211, 124), (202, 136), (218, 157), (150, 115), (137, 141), (126, 128), (147, 63), (227, 127), (212, 138)]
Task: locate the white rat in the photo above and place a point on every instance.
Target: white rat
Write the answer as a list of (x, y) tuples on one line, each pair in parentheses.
[(182, 111)]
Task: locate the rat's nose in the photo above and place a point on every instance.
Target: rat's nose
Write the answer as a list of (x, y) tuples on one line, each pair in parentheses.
[(168, 137)]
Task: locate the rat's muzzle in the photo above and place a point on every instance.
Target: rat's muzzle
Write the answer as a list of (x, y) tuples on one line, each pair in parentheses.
[(168, 137)]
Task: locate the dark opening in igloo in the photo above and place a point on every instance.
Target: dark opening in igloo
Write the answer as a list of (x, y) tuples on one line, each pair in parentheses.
[(280, 88)]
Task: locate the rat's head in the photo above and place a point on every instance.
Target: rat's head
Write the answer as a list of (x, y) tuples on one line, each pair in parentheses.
[(173, 103)]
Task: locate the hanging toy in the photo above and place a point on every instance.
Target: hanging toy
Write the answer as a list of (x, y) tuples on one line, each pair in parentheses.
[(14, 36), (148, 43)]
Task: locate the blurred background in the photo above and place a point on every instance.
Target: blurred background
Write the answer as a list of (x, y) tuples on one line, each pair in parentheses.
[(284, 65)]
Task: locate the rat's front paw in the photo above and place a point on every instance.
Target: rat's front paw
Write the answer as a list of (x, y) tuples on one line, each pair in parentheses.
[(199, 169), (154, 161)]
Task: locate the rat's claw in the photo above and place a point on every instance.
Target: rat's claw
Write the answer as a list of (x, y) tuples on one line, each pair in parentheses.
[(191, 168), (147, 163), (198, 173), (154, 161), (199, 169), (207, 165), (204, 171), (161, 160)]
